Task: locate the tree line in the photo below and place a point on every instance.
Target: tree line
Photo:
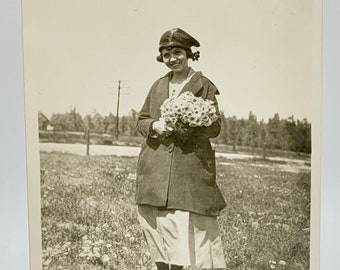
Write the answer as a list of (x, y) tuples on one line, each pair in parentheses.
[(283, 134), (276, 133)]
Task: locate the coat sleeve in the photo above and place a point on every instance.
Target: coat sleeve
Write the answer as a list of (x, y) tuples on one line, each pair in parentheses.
[(144, 120), (214, 129)]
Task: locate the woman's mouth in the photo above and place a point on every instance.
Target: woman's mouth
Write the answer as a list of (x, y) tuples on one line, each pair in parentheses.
[(175, 64)]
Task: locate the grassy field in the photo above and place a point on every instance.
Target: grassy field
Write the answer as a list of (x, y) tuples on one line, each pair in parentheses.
[(89, 218)]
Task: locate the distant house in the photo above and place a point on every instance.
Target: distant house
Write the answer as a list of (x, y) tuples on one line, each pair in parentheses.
[(43, 121)]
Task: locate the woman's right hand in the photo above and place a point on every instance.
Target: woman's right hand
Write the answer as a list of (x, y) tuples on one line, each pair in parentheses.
[(162, 128)]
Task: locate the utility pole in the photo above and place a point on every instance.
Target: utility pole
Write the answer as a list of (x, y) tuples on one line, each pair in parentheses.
[(87, 134), (117, 115), (120, 92)]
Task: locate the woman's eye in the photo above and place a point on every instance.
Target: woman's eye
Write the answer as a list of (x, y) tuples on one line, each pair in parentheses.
[(166, 55)]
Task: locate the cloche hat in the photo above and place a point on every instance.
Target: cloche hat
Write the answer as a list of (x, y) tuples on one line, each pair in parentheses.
[(178, 38)]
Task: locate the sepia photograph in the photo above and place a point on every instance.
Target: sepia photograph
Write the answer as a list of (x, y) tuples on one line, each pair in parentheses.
[(173, 135)]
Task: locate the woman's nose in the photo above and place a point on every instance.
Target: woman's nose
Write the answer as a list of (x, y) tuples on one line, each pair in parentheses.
[(172, 58)]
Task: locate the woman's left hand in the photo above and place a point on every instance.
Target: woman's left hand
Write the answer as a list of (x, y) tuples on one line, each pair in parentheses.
[(162, 128)]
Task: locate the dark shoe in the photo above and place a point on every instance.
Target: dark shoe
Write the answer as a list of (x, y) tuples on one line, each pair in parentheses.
[(162, 266), (176, 267)]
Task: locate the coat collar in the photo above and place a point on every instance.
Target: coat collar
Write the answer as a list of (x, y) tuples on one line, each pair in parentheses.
[(193, 85), (162, 89)]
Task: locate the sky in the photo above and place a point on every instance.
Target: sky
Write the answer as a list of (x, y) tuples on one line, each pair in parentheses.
[(258, 53)]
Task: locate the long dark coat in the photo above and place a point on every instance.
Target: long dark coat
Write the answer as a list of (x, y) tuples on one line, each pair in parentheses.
[(172, 175)]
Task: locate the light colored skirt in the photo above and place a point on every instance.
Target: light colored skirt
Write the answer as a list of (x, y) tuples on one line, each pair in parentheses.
[(182, 238)]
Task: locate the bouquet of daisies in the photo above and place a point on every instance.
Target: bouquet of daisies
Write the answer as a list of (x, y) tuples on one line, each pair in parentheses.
[(187, 111)]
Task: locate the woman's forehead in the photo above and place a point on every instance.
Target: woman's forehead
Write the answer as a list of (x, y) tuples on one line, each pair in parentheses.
[(169, 49)]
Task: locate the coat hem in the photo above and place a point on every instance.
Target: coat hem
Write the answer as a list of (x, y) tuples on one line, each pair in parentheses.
[(162, 207)]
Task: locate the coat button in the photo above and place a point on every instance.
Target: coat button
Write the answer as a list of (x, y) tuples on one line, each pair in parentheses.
[(170, 148)]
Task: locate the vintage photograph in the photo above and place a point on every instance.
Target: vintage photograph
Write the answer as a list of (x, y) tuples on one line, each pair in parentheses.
[(171, 135)]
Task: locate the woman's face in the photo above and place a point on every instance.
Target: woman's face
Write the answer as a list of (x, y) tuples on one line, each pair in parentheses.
[(175, 59)]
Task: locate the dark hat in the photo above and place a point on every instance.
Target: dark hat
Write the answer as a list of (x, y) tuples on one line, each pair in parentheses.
[(177, 38)]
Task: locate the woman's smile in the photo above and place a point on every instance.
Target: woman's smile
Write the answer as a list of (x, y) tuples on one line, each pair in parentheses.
[(175, 64)]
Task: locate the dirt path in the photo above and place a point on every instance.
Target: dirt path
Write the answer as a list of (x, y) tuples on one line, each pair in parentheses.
[(132, 151)]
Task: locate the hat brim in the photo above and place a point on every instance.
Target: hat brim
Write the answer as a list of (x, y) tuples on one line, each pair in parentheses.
[(173, 45)]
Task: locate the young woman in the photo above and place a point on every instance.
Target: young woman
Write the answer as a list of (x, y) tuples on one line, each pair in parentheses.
[(177, 195)]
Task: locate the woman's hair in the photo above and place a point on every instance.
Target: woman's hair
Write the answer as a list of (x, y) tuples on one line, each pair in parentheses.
[(192, 55)]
